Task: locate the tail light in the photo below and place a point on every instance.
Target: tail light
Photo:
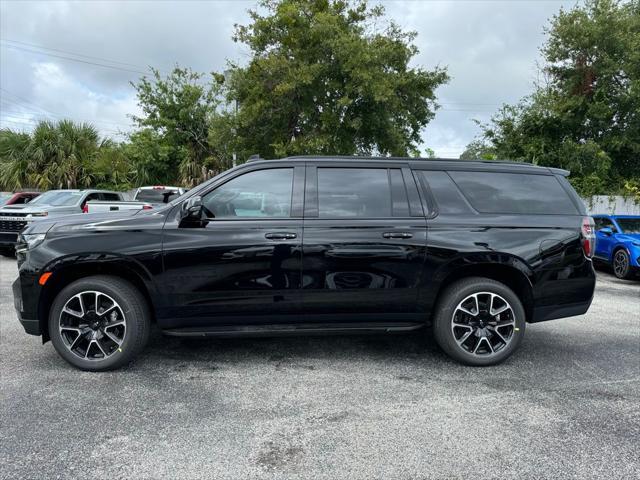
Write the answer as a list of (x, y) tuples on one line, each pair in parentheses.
[(85, 208), (147, 207), (588, 231)]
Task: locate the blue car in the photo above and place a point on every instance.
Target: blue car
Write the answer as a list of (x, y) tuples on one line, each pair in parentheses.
[(618, 243)]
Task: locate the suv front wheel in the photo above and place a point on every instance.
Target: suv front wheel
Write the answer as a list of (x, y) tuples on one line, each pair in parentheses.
[(99, 323), (479, 321)]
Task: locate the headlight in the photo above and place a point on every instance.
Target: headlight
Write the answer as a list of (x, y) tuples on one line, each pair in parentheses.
[(29, 241), (38, 214)]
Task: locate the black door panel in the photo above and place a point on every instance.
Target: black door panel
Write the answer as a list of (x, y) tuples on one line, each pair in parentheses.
[(355, 264), (243, 262)]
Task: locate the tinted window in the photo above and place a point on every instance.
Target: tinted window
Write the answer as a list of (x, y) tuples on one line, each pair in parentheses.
[(111, 197), (399, 194), (263, 193), (354, 192), (517, 193), (629, 225), (157, 195), (602, 222), (447, 196)]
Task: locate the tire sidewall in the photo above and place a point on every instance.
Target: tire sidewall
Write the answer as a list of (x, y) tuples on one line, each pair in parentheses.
[(134, 313), (444, 317), (627, 272)]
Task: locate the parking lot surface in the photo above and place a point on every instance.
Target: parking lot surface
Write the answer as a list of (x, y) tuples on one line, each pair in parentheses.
[(566, 405)]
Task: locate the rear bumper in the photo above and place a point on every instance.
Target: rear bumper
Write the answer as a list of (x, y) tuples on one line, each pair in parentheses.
[(28, 319), (564, 293), (554, 312)]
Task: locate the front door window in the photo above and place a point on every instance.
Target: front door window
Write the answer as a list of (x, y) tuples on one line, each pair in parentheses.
[(258, 194)]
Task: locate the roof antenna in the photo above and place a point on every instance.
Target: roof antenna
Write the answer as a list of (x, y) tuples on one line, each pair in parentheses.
[(254, 157)]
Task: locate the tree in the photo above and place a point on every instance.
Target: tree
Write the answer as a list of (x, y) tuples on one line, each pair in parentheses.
[(326, 77), (173, 143), (585, 117), (478, 150), (61, 155)]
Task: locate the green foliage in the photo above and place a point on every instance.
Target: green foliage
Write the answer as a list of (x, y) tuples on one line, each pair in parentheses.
[(586, 117), (632, 189), (173, 143), (59, 155), (326, 77), (478, 150)]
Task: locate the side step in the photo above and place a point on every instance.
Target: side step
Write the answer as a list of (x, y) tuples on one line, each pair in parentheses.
[(293, 329)]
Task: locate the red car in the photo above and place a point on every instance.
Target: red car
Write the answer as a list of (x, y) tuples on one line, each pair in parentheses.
[(16, 198)]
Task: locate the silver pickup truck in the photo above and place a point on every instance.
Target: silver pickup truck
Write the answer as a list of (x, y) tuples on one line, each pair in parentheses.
[(14, 218), (145, 198)]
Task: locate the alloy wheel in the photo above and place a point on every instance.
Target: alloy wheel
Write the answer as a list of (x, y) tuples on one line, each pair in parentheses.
[(620, 264), (92, 325), (483, 324)]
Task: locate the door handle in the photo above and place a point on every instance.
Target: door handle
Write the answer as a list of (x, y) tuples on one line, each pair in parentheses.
[(280, 235), (397, 235)]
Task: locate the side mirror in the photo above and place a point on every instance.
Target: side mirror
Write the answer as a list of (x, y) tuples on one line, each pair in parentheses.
[(192, 209), (606, 231)]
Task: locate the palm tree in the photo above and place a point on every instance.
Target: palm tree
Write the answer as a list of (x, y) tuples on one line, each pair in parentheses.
[(54, 155)]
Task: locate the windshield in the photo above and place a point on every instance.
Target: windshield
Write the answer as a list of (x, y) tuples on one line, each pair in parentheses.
[(629, 225), (157, 195), (57, 198), (4, 199)]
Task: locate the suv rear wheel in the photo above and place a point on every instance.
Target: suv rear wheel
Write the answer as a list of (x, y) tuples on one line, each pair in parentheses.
[(99, 323), (479, 321)]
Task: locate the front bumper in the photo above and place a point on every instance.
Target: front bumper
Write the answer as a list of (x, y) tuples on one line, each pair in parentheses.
[(8, 239), (28, 319)]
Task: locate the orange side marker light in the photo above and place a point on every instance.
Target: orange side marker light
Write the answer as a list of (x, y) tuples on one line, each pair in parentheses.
[(44, 277)]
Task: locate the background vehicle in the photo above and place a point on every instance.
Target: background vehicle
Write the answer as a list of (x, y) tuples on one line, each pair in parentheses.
[(145, 198), (17, 198), (158, 194), (14, 218), (103, 206), (618, 243), (476, 250)]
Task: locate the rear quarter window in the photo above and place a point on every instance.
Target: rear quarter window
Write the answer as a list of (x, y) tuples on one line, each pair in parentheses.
[(514, 193)]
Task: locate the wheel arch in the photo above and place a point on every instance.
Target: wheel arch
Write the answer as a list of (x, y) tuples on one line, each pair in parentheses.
[(514, 274), (69, 271)]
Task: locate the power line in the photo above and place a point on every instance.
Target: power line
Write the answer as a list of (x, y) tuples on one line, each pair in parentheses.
[(26, 103), (90, 57), (74, 59)]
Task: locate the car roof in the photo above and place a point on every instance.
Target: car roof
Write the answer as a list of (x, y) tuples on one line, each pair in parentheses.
[(416, 162)]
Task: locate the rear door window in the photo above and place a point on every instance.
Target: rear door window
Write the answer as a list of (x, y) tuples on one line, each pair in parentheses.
[(448, 198), (354, 193), (514, 193)]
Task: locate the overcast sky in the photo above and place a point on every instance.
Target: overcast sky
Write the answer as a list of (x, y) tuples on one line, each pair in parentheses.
[(489, 46)]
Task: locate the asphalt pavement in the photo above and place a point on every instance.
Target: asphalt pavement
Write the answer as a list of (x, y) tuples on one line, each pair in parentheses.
[(566, 405)]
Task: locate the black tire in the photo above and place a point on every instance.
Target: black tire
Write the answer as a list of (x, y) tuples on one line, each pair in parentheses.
[(8, 252), (622, 265), (448, 306), (136, 318)]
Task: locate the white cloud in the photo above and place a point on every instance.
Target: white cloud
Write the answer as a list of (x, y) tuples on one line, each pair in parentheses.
[(490, 48)]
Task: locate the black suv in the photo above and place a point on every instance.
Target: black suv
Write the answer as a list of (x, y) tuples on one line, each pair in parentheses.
[(309, 245)]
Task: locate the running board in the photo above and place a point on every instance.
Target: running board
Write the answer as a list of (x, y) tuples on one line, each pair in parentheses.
[(293, 329)]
